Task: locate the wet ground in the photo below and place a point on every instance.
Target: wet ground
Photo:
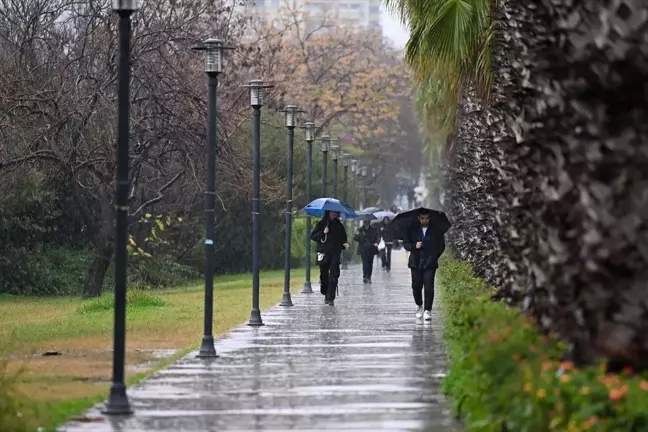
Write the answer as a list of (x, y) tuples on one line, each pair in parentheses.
[(364, 364)]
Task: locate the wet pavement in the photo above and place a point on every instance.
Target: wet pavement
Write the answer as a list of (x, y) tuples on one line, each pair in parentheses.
[(365, 364)]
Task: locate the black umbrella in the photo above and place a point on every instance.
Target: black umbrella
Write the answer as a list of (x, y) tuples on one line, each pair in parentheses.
[(403, 221)]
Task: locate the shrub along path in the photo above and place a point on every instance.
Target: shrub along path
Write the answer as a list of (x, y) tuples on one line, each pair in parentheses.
[(364, 364)]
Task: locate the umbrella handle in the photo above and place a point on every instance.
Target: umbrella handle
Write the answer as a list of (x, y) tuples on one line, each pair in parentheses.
[(325, 235)]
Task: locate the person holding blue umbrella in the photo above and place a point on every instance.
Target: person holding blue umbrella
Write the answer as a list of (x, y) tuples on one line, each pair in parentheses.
[(331, 238)]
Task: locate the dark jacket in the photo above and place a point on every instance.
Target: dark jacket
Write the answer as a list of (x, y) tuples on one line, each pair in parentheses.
[(387, 233), (333, 241), (366, 237), (433, 246)]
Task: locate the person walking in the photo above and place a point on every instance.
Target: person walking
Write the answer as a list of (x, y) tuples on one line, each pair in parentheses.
[(387, 236), (331, 238), (425, 245), (368, 238)]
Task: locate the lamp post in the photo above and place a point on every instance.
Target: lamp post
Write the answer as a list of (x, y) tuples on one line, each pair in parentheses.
[(309, 128), (335, 156), (291, 122), (354, 171), (213, 49), (326, 147), (257, 90), (364, 186), (118, 403), (345, 167)]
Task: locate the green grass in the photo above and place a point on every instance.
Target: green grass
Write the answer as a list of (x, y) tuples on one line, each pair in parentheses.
[(60, 387), (505, 375)]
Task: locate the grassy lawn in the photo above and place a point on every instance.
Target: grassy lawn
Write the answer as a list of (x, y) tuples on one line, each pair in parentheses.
[(162, 326)]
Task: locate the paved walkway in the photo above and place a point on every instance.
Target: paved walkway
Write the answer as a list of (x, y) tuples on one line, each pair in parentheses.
[(365, 364)]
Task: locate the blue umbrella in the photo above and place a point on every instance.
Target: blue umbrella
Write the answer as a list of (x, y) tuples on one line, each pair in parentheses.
[(319, 206)]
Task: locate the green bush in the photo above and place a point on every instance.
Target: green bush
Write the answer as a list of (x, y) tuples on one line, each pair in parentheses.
[(44, 271), (159, 272), (505, 376)]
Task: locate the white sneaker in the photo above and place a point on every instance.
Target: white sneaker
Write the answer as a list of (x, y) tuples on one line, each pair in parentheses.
[(427, 316), (419, 312)]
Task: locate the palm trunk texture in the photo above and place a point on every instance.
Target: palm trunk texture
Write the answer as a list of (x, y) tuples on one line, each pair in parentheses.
[(548, 183)]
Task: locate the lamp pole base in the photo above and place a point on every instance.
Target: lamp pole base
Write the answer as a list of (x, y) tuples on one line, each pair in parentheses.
[(207, 349), (286, 300), (117, 403), (308, 289), (255, 318)]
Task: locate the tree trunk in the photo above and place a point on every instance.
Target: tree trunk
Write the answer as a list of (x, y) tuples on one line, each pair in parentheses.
[(103, 250), (96, 273)]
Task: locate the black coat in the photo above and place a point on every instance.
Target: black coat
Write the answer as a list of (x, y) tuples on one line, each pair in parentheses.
[(366, 237), (333, 241), (433, 246)]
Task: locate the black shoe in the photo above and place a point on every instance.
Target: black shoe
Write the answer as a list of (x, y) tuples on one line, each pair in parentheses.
[(330, 303), (365, 280), (326, 302)]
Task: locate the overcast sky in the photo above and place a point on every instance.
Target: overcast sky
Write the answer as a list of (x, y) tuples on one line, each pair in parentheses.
[(393, 29)]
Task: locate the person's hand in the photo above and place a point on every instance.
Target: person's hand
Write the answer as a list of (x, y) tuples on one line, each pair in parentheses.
[(419, 245), (375, 244), (326, 230), (346, 245)]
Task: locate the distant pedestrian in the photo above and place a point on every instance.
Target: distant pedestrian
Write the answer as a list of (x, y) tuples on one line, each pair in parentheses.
[(387, 236), (331, 238), (368, 238), (425, 244)]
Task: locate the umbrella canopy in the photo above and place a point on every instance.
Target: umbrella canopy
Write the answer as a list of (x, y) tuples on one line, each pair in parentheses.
[(319, 206), (403, 221), (385, 214), (365, 216), (370, 210)]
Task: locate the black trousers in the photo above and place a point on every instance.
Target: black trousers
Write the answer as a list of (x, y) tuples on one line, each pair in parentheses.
[(367, 263), (385, 257), (423, 280), (329, 275)]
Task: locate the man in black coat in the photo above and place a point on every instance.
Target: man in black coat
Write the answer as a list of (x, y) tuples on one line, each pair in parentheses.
[(368, 238), (425, 244), (331, 238), (388, 237)]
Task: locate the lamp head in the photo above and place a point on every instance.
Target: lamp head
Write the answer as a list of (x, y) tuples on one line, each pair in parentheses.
[(309, 127), (335, 152), (326, 143), (291, 112), (257, 91), (125, 5)]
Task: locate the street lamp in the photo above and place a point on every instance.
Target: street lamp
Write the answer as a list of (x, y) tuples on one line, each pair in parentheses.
[(354, 171), (363, 172), (118, 403), (213, 53), (257, 89), (335, 156), (291, 122), (326, 147), (309, 129), (345, 167)]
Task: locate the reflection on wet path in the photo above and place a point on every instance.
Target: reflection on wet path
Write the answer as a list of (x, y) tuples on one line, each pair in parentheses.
[(365, 364)]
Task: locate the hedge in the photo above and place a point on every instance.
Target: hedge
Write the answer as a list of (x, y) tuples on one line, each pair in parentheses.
[(506, 376)]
